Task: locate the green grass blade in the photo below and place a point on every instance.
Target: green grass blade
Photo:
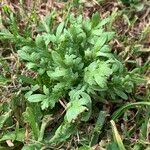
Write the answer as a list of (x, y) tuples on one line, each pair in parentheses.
[(121, 110), (116, 136)]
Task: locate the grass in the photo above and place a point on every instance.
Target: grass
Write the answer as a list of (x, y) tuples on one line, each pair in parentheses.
[(89, 120)]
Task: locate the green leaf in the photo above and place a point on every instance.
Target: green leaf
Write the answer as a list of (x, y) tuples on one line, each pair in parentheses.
[(73, 110), (87, 25), (78, 106), (57, 73), (110, 35), (27, 80), (103, 22), (139, 6), (97, 72), (49, 38), (47, 102), (60, 29), (97, 32), (64, 131), (16, 130), (36, 98), (106, 49), (108, 55), (24, 55), (100, 80), (45, 90), (30, 118), (95, 19), (57, 58), (4, 117), (20, 136), (120, 93), (34, 87), (39, 40), (45, 25), (100, 42)]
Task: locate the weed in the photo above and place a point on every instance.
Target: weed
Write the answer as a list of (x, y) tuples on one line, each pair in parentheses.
[(74, 75)]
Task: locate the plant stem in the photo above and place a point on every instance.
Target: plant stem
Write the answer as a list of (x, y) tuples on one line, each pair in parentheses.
[(45, 122), (98, 126)]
